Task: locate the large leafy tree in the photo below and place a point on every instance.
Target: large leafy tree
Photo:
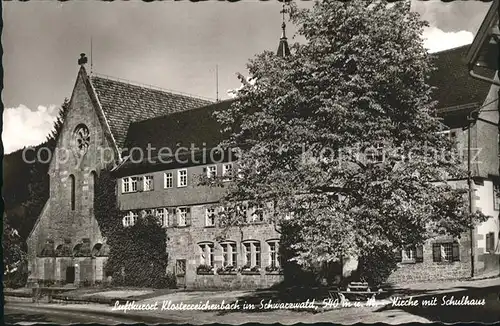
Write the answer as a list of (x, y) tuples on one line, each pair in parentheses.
[(308, 126)]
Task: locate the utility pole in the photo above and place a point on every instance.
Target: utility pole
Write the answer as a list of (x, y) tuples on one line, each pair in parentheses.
[(470, 121)]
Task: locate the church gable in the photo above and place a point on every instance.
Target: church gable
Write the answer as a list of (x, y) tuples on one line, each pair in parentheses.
[(85, 134)]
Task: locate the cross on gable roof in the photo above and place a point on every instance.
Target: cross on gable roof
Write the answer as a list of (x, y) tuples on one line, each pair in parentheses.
[(124, 103)]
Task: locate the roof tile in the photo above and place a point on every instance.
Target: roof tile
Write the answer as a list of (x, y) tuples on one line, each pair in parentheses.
[(125, 103), (454, 85)]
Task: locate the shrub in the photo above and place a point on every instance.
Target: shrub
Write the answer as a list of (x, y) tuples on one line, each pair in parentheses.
[(137, 253), (376, 265), (167, 281), (15, 280)]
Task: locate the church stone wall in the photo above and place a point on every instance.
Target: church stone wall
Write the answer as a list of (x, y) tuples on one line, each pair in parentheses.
[(58, 221)]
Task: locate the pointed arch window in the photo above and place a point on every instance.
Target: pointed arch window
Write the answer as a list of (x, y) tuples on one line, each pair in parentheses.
[(73, 191), (93, 181)]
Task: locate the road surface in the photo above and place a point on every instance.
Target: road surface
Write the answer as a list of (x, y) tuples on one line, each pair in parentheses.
[(26, 312)]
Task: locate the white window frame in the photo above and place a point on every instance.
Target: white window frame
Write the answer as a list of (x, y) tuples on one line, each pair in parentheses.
[(446, 252), (408, 255), (181, 212), (129, 219), (162, 215), (130, 183), (211, 171), (229, 254), (146, 186), (227, 170), (210, 211), (168, 180), (207, 253), (181, 177), (274, 262), (255, 255), (125, 185), (253, 217), (133, 184)]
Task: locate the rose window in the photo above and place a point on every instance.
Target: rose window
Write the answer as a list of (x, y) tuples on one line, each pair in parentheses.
[(82, 138)]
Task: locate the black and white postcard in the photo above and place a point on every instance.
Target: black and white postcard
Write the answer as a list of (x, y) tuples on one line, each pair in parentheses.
[(248, 161)]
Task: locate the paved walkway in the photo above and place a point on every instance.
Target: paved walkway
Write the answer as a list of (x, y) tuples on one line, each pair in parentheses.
[(283, 316), (438, 286)]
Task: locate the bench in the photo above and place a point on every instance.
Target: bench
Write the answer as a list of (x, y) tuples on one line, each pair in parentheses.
[(355, 290), (38, 292)]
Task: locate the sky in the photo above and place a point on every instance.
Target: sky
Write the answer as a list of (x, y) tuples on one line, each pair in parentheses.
[(172, 45)]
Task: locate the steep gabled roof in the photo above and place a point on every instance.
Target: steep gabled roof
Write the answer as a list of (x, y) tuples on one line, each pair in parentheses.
[(124, 103), (454, 86), (196, 129), (197, 126)]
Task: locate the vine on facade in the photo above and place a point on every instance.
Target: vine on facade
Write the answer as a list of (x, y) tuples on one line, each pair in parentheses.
[(137, 254)]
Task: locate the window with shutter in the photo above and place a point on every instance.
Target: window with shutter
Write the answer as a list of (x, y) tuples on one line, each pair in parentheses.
[(188, 216), (183, 216), (436, 252), (456, 251), (133, 184), (140, 183), (171, 217), (496, 197), (148, 184), (398, 256), (210, 216), (419, 254), (490, 242)]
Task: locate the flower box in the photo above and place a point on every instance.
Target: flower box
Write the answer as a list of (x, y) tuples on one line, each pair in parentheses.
[(247, 270), (227, 270), (205, 270), (274, 270)]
